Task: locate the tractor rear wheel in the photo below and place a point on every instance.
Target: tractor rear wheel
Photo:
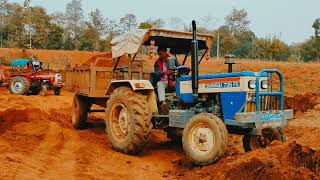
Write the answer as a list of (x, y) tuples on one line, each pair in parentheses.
[(128, 123), (19, 85), (79, 111), (57, 91), (205, 139), (252, 142)]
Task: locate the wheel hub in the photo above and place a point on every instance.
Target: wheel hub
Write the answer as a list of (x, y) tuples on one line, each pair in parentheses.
[(120, 121), (124, 121), (17, 86), (202, 139)]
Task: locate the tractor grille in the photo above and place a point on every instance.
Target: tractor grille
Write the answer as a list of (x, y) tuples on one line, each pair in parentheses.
[(267, 103)]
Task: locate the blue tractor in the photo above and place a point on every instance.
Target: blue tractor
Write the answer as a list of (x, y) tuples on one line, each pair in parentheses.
[(203, 109)]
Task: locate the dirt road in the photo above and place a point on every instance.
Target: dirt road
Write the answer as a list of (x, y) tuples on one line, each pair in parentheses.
[(38, 142)]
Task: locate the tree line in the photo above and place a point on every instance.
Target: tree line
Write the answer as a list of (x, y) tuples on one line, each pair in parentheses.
[(24, 26)]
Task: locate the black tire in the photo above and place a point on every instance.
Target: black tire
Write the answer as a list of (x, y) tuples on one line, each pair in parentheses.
[(34, 91), (252, 142), (57, 91), (128, 123), (19, 85), (201, 153), (175, 135), (79, 111)]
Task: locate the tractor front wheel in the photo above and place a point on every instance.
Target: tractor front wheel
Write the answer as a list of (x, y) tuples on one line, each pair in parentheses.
[(252, 142), (205, 139), (128, 123), (79, 111), (19, 85), (57, 91)]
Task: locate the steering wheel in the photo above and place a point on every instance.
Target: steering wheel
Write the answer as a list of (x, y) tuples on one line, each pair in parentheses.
[(183, 70)]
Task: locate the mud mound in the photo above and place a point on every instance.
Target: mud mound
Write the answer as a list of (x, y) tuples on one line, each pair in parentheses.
[(104, 60), (302, 103), (270, 163), (11, 117), (305, 156)]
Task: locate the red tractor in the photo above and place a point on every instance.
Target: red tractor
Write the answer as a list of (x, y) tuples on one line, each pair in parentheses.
[(28, 77)]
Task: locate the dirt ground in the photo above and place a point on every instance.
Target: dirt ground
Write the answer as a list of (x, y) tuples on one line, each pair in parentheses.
[(38, 142)]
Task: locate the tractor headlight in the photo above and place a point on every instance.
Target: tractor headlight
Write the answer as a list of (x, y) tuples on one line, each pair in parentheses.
[(252, 84), (264, 84)]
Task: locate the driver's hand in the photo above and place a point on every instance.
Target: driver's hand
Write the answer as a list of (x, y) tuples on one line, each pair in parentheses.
[(168, 72)]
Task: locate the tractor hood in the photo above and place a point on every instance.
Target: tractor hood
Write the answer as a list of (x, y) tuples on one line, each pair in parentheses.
[(178, 42)]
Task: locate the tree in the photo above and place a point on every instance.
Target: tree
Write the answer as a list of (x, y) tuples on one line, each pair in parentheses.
[(227, 41), (74, 16), (40, 27), (176, 23), (237, 21), (244, 43), (15, 26), (316, 26), (156, 23), (145, 25), (3, 18), (55, 39), (207, 22), (59, 19), (112, 29), (98, 22), (89, 39), (128, 22)]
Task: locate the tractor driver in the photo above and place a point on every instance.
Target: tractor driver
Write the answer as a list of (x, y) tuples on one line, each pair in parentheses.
[(162, 72)]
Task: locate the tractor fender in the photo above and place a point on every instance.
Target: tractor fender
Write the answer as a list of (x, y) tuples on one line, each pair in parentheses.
[(143, 86)]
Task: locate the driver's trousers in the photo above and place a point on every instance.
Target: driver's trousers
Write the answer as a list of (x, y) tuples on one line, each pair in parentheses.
[(162, 90)]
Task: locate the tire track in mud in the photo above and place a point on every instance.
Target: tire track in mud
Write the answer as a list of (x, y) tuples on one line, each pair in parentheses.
[(54, 158)]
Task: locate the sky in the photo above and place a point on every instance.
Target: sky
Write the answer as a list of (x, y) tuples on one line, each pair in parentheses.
[(289, 20)]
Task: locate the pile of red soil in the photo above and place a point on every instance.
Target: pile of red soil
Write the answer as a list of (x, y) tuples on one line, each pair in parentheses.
[(302, 103), (102, 60)]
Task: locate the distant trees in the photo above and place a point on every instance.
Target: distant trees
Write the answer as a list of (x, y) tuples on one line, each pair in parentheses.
[(72, 30), (128, 22), (237, 21), (237, 38)]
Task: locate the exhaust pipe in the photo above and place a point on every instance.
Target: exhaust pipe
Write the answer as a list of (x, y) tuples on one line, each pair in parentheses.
[(194, 61)]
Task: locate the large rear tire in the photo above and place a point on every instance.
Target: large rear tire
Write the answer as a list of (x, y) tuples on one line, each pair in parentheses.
[(205, 139), (19, 85), (128, 123), (252, 142), (79, 111)]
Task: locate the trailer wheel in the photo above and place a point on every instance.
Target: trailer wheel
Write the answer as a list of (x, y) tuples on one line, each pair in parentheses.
[(205, 139), (57, 91), (19, 85), (252, 142), (79, 111), (128, 123)]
